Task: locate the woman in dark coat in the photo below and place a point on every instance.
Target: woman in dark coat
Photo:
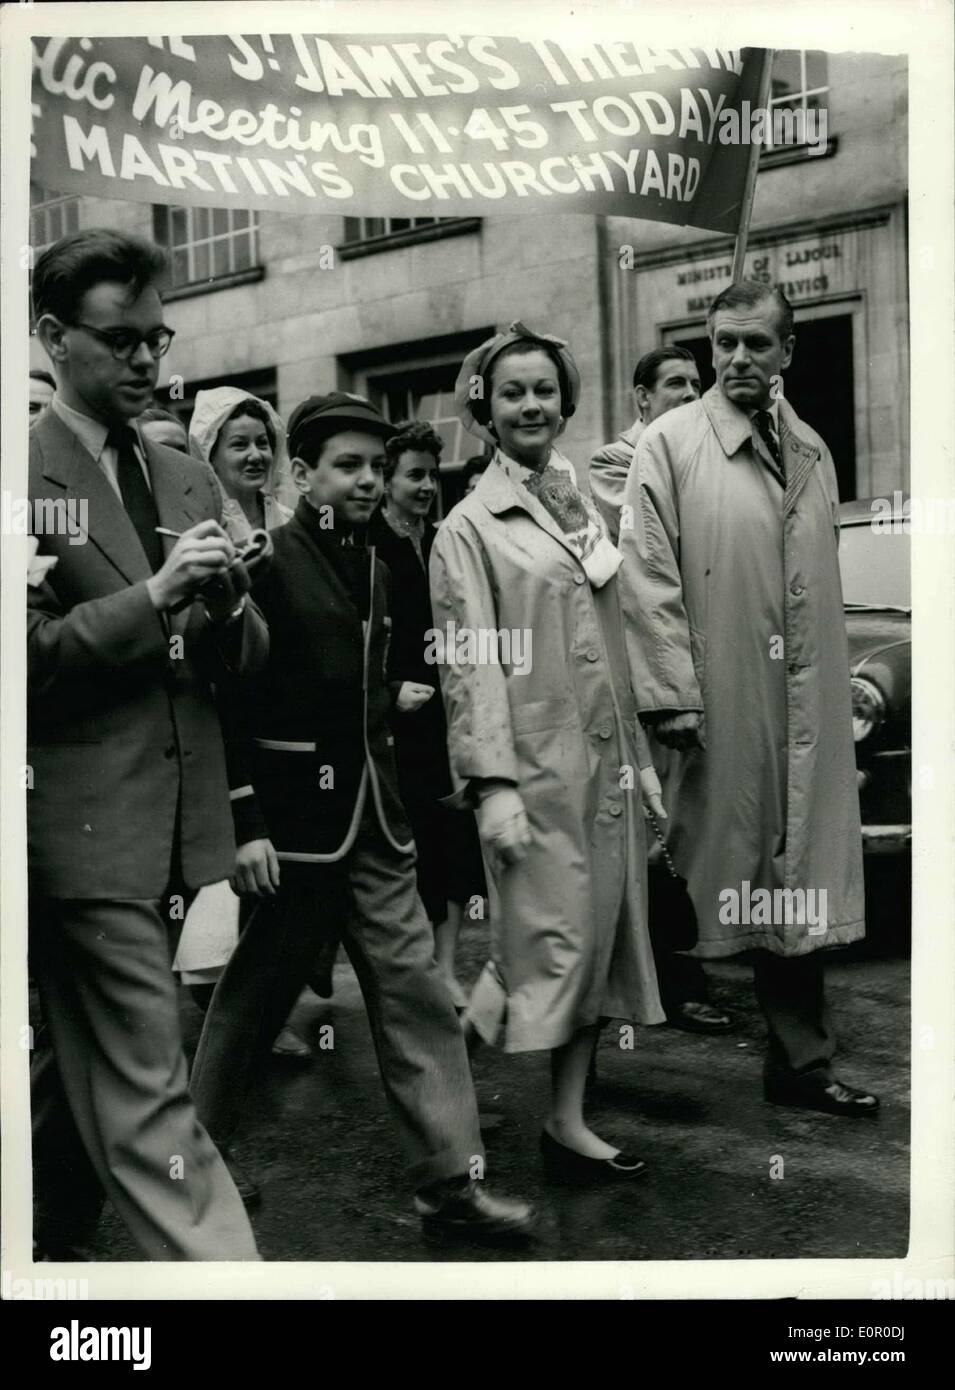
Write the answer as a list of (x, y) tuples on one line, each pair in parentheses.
[(450, 871)]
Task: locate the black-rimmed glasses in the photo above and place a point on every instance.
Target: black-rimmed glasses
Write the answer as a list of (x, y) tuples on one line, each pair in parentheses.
[(123, 343)]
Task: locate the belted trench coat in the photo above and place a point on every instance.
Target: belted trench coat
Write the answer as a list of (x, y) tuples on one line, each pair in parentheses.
[(568, 923), (732, 604)]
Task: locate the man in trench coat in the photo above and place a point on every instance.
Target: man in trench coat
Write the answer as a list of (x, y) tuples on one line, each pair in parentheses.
[(737, 648)]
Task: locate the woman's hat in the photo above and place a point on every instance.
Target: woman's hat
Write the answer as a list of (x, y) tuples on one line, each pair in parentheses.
[(323, 416), (471, 391)]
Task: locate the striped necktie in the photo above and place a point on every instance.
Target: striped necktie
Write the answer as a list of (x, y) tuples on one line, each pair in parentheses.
[(764, 423)]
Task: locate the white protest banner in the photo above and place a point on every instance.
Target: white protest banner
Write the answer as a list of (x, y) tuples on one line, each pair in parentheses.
[(399, 124)]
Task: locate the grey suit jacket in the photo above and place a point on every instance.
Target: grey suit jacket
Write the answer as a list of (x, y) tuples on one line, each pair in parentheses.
[(123, 736)]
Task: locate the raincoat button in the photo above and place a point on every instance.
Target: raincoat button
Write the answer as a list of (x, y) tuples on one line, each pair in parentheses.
[(616, 809), (579, 578), (796, 589), (605, 730), (593, 654)]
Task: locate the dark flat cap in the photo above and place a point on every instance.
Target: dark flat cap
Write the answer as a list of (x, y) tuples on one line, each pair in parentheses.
[(338, 410)]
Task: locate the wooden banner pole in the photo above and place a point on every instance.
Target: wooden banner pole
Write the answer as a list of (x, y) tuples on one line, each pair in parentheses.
[(749, 187)]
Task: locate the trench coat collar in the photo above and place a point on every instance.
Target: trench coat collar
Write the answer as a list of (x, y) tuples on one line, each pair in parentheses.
[(66, 462), (734, 428), (499, 494)]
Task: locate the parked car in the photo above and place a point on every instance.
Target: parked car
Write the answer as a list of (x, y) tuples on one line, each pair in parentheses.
[(874, 555)]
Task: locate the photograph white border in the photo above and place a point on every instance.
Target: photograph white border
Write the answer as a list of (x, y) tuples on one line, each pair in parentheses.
[(920, 29)]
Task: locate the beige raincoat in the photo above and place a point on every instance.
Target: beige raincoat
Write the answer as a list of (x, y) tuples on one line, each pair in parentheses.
[(568, 923), (733, 604)]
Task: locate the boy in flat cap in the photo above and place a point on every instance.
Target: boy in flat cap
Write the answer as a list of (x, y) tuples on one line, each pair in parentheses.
[(323, 838)]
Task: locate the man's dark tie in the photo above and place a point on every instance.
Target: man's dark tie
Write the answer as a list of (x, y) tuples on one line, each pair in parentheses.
[(764, 423), (137, 498)]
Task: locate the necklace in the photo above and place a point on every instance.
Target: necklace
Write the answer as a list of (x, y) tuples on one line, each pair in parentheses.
[(404, 528)]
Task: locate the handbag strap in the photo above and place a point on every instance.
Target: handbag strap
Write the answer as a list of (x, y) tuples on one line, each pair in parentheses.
[(663, 848)]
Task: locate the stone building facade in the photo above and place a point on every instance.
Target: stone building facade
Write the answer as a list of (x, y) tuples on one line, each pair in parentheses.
[(290, 305)]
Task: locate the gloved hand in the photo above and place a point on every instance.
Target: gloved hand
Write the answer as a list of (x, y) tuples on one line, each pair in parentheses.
[(502, 823), (652, 793)]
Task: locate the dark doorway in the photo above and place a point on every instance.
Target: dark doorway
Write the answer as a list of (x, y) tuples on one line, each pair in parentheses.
[(819, 383)]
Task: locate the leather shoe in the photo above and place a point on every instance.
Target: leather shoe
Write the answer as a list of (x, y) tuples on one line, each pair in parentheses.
[(463, 1209), (695, 1016), (567, 1165), (833, 1097), (249, 1191), (289, 1044)]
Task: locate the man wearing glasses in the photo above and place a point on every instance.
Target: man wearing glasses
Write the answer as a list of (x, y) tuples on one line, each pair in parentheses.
[(128, 814)]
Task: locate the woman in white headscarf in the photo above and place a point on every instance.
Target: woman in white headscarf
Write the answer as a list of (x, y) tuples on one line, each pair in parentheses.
[(243, 439), (544, 740)]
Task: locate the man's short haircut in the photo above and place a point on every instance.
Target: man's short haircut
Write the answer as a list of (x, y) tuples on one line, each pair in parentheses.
[(38, 374), (74, 264), (750, 294), (415, 436), (647, 370)]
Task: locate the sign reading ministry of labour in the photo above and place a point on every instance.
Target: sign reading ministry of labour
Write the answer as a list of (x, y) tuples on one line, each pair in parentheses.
[(394, 124)]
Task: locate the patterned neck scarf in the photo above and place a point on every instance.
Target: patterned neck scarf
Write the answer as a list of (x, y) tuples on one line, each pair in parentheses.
[(554, 489)]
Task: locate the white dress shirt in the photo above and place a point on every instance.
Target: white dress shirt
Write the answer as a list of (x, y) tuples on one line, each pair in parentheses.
[(92, 435)]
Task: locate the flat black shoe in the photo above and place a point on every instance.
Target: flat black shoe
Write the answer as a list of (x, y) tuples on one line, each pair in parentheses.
[(697, 1017), (566, 1165), (291, 1046), (834, 1098), (465, 1210)]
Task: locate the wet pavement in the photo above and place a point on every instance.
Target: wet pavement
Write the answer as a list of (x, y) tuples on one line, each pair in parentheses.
[(319, 1138)]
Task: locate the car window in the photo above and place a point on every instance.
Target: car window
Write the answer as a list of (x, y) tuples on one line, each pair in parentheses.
[(875, 566)]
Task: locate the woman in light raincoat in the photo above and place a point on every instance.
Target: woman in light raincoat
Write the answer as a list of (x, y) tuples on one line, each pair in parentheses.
[(544, 740)]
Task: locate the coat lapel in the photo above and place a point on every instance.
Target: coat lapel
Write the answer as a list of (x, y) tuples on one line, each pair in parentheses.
[(799, 457), (734, 428), (499, 494), (69, 465), (328, 569), (172, 490)]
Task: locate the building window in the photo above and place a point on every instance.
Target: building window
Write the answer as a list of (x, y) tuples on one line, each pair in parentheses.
[(365, 235), (369, 228), (206, 243), (52, 215), (800, 85)]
